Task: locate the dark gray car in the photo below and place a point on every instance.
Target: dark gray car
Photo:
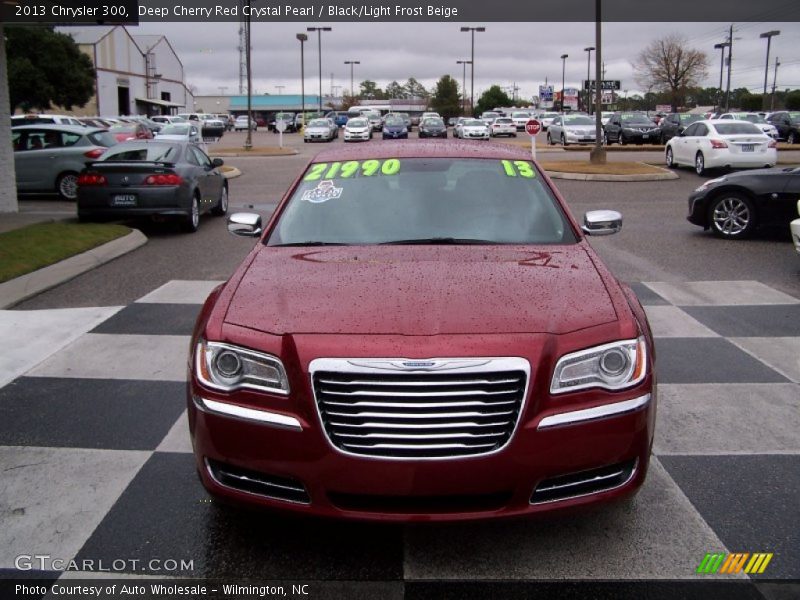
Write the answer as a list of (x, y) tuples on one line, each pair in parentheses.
[(151, 178)]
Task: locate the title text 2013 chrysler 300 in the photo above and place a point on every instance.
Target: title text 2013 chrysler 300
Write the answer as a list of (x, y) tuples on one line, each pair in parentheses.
[(422, 332)]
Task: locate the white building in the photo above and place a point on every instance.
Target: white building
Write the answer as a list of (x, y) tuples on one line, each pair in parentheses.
[(136, 74)]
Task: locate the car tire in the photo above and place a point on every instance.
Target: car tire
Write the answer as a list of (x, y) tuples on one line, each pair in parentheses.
[(791, 138), (67, 186), (549, 139), (669, 158), (564, 141), (221, 208), (732, 216), (700, 164), (621, 139), (606, 141), (192, 221)]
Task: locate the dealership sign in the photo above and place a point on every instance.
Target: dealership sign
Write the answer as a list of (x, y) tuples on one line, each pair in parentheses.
[(546, 96)]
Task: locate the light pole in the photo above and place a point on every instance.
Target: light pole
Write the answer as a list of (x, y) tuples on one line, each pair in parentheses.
[(564, 58), (472, 30), (767, 35), (588, 87), (319, 31), (302, 38), (774, 80), (721, 47), (248, 141), (464, 83), (351, 63)]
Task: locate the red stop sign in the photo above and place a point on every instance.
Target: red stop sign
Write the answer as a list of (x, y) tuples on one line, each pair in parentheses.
[(533, 127)]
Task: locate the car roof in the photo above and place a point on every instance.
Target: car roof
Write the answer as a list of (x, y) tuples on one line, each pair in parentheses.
[(424, 149), (50, 127)]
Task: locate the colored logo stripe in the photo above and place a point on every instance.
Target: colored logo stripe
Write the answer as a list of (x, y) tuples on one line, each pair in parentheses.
[(733, 563)]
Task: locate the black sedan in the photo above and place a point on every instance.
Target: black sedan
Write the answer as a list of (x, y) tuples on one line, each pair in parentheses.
[(733, 206), (674, 123), (152, 178), (788, 125), (432, 127)]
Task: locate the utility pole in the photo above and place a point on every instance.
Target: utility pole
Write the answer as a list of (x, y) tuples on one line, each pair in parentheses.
[(319, 31), (730, 61), (774, 79), (464, 84), (588, 78), (598, 154), (248, 142), (767, 35), (721, 47), (302, 38)]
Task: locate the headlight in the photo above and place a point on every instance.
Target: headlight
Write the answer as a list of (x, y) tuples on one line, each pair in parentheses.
[(612, 366), (227, 368), (709, 183)]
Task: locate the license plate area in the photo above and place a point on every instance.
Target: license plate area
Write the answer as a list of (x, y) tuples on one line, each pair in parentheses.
[(123, 200), (748, 147)]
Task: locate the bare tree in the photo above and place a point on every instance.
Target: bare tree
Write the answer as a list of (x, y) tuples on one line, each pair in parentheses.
[(669, 65)]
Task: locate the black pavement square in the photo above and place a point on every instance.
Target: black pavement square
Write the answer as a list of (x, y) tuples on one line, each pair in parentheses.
[(165, 513), (89, 413), (751, 503), (152, 319), (779, 320), (709, 360), (646, 296)]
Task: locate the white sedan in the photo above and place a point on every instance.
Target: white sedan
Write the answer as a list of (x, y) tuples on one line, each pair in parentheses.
[(474, 129), (357, 129), (755, 118), (547, 118), (721, 144), (794, 226), (181, 132), (503, 126), (319, 130)]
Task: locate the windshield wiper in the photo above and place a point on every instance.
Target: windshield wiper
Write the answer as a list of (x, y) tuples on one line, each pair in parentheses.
[(309, 244), (440, 241)]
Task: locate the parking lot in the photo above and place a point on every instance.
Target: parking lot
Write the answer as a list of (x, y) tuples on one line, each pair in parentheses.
[(108, 379)]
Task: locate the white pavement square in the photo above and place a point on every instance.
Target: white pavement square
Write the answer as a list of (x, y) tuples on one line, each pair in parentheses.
[(177, 439), (52, 499), (720, 293), (780, 353), (36, 334), (181, 292), (710, 419), (107, 356), (658, 535), (671, 321)]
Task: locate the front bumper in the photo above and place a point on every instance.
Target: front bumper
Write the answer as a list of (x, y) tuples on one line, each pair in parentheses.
[(642, 137), (349, 136), (794, 227), (284, 447), (474, 136)]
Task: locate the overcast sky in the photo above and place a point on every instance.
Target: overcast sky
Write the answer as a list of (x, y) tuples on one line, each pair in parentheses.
[(507, 53)]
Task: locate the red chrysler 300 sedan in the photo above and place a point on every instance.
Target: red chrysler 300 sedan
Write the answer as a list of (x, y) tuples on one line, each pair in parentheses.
[(422, 332)]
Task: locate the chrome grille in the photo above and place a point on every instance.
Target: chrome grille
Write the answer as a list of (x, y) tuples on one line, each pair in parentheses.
[(456, 408)]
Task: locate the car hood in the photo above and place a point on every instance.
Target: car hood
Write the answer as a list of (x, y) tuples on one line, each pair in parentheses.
[(421, 290), (317, 129)]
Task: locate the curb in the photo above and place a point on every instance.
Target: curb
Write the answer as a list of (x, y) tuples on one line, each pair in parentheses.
[(21, 288), (232, 173), (663, 176)]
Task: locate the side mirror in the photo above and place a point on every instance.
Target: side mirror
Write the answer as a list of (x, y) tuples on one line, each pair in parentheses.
[(602, 222), (244, 224), (217, 162)]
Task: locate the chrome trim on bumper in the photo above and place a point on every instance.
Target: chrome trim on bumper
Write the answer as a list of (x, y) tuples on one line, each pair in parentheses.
[(630, 477), (235, 411), (594, 413)]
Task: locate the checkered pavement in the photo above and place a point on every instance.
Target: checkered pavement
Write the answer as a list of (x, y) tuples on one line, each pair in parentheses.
[(96, 460)]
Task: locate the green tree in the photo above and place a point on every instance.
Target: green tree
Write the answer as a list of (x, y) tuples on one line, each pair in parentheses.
[(369, 89), (46, 68), (792, 100), (492, 98), (414, 89), (395, 90), (751, 102), (446, 100)]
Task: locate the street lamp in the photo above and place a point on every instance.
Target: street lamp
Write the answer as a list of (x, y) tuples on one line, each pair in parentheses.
[(302, 38), (472, 30), (351, 63), (319, 31), (721, 47), (464, 83), (588, 87), (564, 58), (767, 35)]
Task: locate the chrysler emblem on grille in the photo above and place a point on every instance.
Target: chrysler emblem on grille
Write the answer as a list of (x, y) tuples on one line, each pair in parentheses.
[(432, 364)]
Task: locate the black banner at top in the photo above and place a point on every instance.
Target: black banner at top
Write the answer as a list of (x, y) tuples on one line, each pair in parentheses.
[(132, 11)]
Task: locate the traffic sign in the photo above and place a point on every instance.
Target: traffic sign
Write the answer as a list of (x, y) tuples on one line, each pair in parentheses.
[(532, 127)]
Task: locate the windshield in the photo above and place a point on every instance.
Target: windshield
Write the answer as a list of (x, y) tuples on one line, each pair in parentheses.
[(635, 120), (504, 121), (550, 115), (734, 128), (520, 115), (686, 118), (123, 128), (102, 138), (578, 120), (142, 152), (395, 122), (175, 130), (474, 123), (356, 123), (795, 117), (319, 123), (422, 200), (433, 122)]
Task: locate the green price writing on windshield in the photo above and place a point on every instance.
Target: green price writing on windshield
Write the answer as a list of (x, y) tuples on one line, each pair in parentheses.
[(518, 167), (352, 168)]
